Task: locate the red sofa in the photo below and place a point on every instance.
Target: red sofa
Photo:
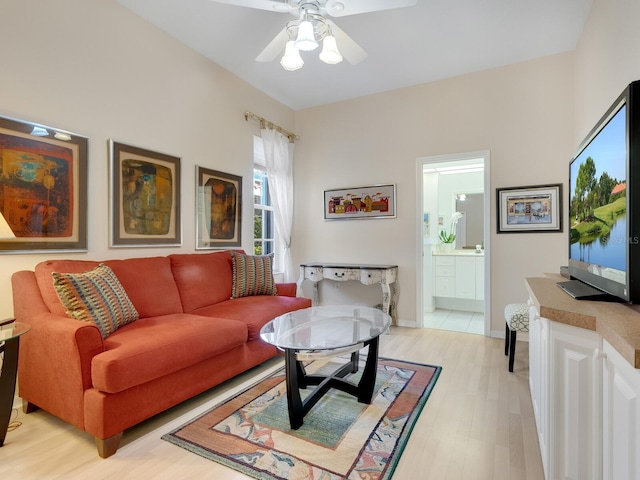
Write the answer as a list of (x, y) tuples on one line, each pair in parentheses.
[(190, 337)]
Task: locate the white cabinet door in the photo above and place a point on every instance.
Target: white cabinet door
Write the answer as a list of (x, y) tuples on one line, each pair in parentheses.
[(621, 418), (539, 379), (575, 449), (479, 278), (466, 277)]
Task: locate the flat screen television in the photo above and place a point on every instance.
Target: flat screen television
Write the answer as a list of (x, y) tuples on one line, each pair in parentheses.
[(604, 206)]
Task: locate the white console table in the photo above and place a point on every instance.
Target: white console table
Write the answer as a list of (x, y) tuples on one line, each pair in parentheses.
[(385, 275)]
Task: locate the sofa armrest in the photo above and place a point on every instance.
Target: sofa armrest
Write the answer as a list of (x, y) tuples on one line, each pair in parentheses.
[(287, 289), (55, 356)]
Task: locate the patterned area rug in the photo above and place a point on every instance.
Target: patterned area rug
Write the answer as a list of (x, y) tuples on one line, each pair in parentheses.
[(340, 438)]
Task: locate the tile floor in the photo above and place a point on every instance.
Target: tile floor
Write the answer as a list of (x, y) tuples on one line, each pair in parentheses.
[(455, 321)]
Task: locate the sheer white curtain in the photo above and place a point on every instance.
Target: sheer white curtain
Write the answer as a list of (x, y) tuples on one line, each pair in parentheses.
[(278, 154)]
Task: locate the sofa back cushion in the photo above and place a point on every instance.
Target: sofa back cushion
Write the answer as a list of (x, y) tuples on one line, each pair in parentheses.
[(148, 282), (96, 297), (203, 279)]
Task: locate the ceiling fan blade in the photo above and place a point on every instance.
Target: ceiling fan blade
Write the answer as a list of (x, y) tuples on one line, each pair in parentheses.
[(275, 47), (342, 8), (348, 47), (270, 5)]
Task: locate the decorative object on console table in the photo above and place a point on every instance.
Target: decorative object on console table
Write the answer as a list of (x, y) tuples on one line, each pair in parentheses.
[(43, 188), (529, 209), (375, 201), (219, 209), (385, 275), (10, 332), (145, 197)]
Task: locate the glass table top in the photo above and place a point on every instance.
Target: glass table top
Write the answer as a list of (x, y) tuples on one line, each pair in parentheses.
[(325, 327), (13, 330)]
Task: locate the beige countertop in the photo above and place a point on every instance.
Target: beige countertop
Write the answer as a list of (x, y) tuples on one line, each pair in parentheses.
[(459, 253), (617, 323)]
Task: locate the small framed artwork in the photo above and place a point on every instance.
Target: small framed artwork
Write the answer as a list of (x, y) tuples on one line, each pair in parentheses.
[(219, 209), (536, 208), (145, 197), (43, 188), (375, 201)]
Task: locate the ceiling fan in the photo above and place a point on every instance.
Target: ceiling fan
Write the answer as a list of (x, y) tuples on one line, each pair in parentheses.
[(311, 26)]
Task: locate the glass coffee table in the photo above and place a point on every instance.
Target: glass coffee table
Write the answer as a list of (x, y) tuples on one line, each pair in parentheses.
[(322, 332)]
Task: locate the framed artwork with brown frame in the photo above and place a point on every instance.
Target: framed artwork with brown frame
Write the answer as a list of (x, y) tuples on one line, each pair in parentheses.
[(537, 208), (218, 209), (43, 188), (145, 197)]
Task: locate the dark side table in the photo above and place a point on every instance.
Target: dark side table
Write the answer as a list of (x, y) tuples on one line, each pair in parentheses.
[(9, 343)]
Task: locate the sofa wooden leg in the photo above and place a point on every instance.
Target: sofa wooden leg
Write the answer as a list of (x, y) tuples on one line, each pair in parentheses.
[(28, 407), (108, 446)]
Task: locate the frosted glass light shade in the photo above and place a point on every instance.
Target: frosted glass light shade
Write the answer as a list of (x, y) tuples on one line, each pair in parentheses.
[(330, 53), (5, 229), (291, 59), (306, 40)]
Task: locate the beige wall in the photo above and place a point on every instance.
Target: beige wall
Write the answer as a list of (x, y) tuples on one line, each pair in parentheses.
[(96, 69), (606, 60), (522, 114)]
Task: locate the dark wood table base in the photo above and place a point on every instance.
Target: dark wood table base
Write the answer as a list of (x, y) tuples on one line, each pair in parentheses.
[(297, 378), (7, 383)]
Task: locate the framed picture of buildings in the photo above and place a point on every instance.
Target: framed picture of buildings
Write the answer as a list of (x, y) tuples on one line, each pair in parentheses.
[(43, 188), (536, 208), (145, 197), (374, 201), (218, 209)]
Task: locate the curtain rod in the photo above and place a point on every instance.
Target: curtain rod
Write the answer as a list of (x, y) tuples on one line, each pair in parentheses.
[(266, 123)]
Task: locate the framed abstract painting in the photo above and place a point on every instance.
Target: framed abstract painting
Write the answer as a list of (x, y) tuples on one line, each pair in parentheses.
[(218, 209), (43, 188), (145, 197)]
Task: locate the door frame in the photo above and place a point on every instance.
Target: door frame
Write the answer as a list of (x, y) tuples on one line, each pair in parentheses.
[(420, 163)]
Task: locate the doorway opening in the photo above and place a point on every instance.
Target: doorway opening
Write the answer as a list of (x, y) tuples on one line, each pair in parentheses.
[(453, 274)]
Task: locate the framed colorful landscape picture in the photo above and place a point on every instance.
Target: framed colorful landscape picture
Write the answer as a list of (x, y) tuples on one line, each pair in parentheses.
[(145, 197), (219, 209), (374, 201), (43, 188), (536, 208)]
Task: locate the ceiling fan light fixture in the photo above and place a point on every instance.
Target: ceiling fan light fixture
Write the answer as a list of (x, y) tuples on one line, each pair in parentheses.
[(330, 53), (306, 40), (291, 59)]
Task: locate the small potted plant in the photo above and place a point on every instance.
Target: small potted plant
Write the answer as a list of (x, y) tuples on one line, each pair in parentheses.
[(448, 239)]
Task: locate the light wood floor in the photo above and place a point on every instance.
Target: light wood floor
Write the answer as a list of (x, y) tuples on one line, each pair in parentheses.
[(477, 424)]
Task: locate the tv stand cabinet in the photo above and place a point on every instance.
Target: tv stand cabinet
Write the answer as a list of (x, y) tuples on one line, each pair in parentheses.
[(585, 383)]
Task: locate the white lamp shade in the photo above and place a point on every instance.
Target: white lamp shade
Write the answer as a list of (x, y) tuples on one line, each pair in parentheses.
[(291, 59), (330, 53), (306, 40), (5, 229)]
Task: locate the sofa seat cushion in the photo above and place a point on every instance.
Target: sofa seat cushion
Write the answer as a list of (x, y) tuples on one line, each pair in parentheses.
[(255, 311), (153, 347)]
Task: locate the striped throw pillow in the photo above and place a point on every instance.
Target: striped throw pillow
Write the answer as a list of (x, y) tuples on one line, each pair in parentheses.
[(252, 275), (95, 296)]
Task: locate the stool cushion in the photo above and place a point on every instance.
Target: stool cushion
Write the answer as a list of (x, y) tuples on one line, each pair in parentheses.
[(517, 317)]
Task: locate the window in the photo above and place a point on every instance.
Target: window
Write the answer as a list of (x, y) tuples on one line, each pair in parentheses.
[(263, 218)]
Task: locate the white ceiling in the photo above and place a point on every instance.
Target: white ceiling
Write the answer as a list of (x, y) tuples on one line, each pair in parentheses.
[(432, 40)]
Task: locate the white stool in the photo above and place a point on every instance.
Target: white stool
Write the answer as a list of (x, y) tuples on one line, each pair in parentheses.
[(517, 318)]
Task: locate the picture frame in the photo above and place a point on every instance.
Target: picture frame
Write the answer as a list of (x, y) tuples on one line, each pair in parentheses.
[(218, 209), (536, 208), (145, 197), (43, 188), (373, 201)]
